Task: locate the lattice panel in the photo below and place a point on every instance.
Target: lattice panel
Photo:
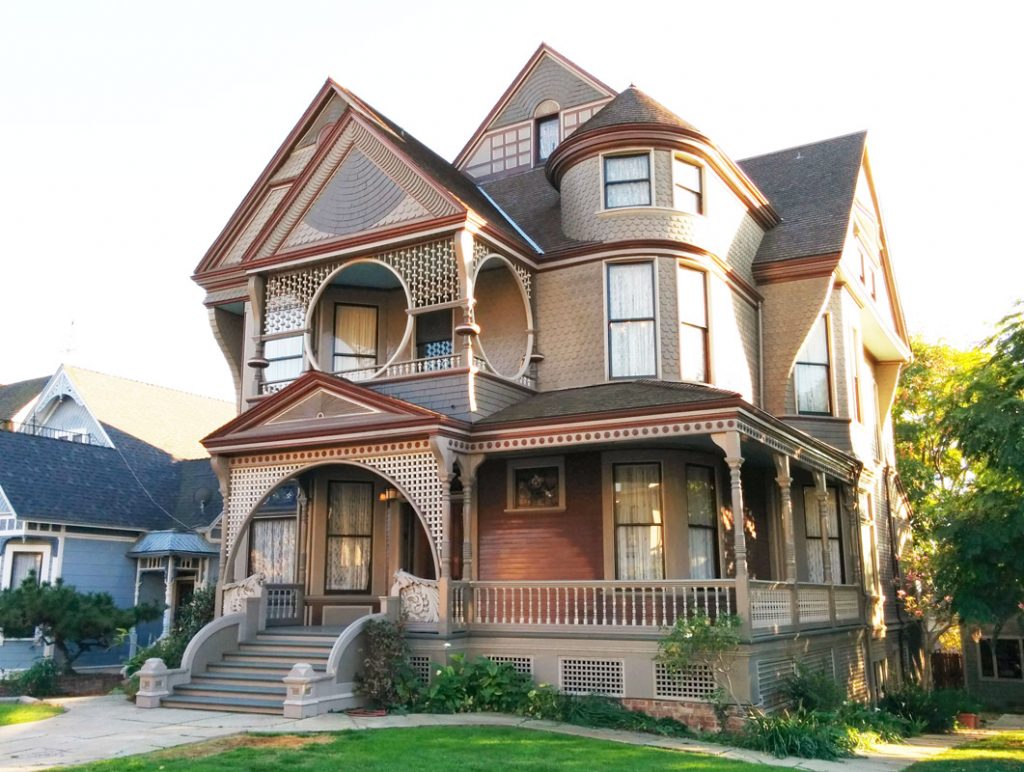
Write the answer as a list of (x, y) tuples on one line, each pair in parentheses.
[(481, 252), (697, 682), (428, 270), (592, 676), (411, 466), (522, 665), (421, 667)]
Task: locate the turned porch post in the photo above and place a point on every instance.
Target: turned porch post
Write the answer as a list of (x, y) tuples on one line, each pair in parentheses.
[(730, 443), (302, 504), (785, 483)]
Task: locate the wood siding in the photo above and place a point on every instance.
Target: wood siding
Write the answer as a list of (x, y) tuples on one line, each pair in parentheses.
[(542, 545)]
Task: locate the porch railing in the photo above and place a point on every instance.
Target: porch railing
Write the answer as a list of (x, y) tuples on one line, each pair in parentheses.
[(285, 604), (788, 606), (622, 605), (434, 364)]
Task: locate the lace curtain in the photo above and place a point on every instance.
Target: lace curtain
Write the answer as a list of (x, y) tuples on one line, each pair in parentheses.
[(639, 542), (349, 536), (631, 319), (355, 337), (703, 520), (815, 552), (272, 549)]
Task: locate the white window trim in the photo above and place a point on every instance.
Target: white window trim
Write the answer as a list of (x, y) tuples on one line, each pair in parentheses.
[(649, 152), (514, 465), (8, 563), (827, 316), (709, 339), (608, 378), (702, 168)]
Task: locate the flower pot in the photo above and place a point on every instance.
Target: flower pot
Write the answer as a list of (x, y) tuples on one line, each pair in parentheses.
[(967, 720)]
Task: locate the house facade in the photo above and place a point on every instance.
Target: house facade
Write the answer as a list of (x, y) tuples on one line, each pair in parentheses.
[(543, 401), (104, 485)]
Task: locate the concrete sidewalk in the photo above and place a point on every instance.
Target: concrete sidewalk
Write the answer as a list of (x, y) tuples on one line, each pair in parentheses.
[(95, 728)]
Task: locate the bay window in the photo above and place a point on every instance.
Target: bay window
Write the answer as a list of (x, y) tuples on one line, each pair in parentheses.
[(813, 381), (693, 324), (688, 187), (349, 536), (639, 532), (631, 321), (627, 181), (355, 337)]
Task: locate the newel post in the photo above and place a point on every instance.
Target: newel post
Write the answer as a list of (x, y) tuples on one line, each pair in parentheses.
[(730, 443)]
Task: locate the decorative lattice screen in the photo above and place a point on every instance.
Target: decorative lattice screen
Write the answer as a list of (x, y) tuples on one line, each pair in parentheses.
[(695, 683), (592, 676), (522, 665), (421, 666)]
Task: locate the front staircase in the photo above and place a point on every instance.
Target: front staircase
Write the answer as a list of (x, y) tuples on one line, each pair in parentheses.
[(248, 680)]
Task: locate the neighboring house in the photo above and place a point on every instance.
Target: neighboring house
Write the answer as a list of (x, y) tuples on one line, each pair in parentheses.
[(103, 484), (994, 665), (544, 380)]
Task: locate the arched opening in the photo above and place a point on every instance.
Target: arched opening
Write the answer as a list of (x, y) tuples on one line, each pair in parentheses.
[(503, 313), (334, 534), (359, 321)]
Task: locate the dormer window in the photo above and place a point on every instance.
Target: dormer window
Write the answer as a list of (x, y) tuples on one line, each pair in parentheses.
[(627, 181), (547, 137), (688, 183)]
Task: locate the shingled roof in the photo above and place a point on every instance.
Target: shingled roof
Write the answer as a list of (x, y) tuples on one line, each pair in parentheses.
[(811, 187), (535, 205), (606, 397), (633, 106), (14, 396)]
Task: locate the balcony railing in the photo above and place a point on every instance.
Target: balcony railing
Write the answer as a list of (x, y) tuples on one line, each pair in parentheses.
[(424, 365), (790, 606), (38, 430)]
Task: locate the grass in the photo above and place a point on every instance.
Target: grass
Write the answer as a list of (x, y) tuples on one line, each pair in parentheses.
[(1002, 753), (16, 713), (423, 748)]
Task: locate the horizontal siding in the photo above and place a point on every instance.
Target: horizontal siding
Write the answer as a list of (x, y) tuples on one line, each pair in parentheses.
[(18, 655), (520, 546)]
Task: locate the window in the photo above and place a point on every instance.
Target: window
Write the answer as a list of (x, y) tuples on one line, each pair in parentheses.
[(693, 325), (1004, 661), (349, 536), (639, 537), (688, 190), (536, 483), (24, 563), (812, 530), (434, 337), (627, 181), (631, 320), (272, 549), (285, 358), (813, 390), (547, 137), (701, 511), (355, 337)]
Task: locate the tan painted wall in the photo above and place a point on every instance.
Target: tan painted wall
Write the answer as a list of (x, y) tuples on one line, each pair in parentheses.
[(501, 314), (570, 324)]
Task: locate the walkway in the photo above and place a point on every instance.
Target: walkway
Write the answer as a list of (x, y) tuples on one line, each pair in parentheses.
[(97, 728)]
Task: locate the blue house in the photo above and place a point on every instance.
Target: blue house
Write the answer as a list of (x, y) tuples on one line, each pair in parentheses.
[(103, 484)]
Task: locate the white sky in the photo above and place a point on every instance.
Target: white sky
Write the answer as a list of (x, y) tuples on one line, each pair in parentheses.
[(130, 132)]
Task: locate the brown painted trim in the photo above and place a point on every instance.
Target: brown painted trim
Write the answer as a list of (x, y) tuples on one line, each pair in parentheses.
[(796, 268), (532, 62), (580, 146), (327, 436)]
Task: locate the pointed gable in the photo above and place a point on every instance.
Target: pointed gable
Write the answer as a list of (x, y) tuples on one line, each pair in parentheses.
[(548, 85)]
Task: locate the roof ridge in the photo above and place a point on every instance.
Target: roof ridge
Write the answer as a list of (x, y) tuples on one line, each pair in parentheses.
[(860, 132)]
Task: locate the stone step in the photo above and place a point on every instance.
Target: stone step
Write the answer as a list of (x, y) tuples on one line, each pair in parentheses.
[(225, 704), (283, 648), (246, 666), (280, 657), (296, 638), (267, 691), (240, 676)]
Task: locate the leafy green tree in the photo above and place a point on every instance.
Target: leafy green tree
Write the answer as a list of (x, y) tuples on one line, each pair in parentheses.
[(71, 621)]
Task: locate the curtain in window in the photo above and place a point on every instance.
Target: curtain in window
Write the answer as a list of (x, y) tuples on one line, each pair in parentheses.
[(687, 186), (639, 542), (349, 536), (22, 563), (285, 357), (355, 337), (627, 181), (272, 549), (703, 522), (812, 525), (631, 319), (812, 376)]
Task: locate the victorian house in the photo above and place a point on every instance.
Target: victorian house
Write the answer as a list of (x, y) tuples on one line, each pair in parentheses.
[(590, 377)]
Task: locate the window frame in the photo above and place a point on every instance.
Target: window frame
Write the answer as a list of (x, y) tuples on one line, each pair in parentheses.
[(705, 329), (328, 535), (677, 185), (616, 525), (649, 180), (300, 357), (338, 305), (610, 322), (714, 527), (9, 552), (517, 464), (994, 662), (838, 576), (552, 118), (826, 320)]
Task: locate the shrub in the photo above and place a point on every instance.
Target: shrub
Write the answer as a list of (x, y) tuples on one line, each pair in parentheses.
[(806, 734), (39, 680), (384, 676), (705, 642), (888, 727), (814, 690), (463, 686), (934, 711), (192, 617)]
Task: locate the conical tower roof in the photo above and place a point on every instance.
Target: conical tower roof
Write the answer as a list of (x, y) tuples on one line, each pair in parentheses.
[(633, 107)]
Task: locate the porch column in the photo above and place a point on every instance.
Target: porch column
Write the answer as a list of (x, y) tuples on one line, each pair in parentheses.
[(168, 596), (826, 554), (785, 483), (257, 299), (302, 528), (469, 465), (730, 443), (446, 519), (850, 507)]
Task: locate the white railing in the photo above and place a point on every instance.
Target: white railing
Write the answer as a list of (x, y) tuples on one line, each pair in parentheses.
[(598, 604), (786, 606), (285, 604), (771, 605), (812, 600)]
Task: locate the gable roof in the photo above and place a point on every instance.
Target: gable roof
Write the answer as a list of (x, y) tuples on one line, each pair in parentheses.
[(171, 420), (632, 106), (811, 187), (15, 396)]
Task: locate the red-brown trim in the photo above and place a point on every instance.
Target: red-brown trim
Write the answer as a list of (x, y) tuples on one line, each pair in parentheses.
[(532, 62), (657, 135), (796, 268)]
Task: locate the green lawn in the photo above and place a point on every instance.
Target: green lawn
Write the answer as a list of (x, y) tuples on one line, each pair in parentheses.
[(425, 748), (1002, 753), (15, 713)]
